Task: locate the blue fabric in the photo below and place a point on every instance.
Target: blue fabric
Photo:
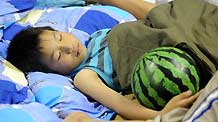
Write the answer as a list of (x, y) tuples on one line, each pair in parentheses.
[(206, 105), (17, 102), (94, 20), (9, 94), (22, 4), (3, 48), (9, 33), (79, 21), (115, 12), (8, 16), (20, 115), (12, 6), (58, 93), (206, 109), (49, 95), (52, 3), (31, 112), (98, 59), (83, 21), (13, 84)]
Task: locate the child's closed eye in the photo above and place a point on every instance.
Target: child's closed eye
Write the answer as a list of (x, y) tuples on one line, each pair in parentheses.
[(59, 55), (60, 37)]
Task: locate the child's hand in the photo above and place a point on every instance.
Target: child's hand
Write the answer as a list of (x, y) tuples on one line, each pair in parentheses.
[(184, 100)]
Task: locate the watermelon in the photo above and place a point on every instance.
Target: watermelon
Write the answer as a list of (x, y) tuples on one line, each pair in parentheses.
[(161, 74)]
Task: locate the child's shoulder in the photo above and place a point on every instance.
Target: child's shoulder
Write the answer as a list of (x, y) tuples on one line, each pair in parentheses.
[(86, 73)]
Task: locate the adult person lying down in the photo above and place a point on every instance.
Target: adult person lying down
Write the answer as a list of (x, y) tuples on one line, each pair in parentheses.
[(139, 8)]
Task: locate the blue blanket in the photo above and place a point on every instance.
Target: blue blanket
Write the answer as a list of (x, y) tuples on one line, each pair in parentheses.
[(77, 20), (17, 99)]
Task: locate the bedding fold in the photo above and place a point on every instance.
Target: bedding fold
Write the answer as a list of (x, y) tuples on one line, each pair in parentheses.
[(187, 24)]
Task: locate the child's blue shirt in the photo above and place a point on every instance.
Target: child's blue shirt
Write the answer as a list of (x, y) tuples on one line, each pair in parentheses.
[(98, 59)]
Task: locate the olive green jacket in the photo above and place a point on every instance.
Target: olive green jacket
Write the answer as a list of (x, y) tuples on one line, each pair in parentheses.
[(190, 25)]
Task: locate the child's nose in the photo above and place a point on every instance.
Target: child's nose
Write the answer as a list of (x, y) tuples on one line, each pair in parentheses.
[(67, 50)]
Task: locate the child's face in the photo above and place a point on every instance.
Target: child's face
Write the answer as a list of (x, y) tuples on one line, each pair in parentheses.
[(61, 51)]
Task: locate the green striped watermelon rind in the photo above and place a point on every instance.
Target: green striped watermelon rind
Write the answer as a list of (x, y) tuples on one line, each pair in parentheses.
[(162, 58)]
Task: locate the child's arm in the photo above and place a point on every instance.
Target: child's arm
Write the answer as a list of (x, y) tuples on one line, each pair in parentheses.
[(139, 8), (89, 83), (82, 117), (78, 117)]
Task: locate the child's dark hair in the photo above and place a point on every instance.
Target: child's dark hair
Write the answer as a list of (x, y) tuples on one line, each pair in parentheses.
[(24, 53)]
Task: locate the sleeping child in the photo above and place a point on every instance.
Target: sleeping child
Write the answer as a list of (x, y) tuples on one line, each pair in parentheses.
[(103, 69)]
